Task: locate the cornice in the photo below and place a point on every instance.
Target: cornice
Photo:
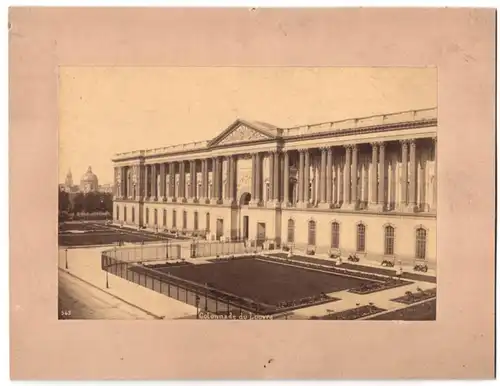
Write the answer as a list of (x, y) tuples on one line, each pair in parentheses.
[(281, 141)]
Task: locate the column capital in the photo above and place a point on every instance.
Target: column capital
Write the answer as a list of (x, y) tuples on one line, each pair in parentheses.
[(434, 139), (406, 142)]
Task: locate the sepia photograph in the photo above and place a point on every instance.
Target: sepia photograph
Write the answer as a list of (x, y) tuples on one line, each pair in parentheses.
[(248, 193), (251, 193)]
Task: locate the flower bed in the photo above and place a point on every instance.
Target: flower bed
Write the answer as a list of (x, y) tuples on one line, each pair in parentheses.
[(351, 314), (168, 265), (335, 270), (378, 286), (309, 301), (414, 297), (419, 312)]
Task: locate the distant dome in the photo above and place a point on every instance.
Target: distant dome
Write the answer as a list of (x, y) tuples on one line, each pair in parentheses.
[(89, 181)]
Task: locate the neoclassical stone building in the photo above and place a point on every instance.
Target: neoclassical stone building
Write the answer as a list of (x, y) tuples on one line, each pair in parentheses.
[(365, 185)]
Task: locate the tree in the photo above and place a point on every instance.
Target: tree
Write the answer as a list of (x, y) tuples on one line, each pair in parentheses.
[(64, 203), (78, 203)]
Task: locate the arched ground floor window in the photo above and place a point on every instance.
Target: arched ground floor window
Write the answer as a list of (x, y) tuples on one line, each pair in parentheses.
[(361, 238), (389, 240), (311, 237), (291, 231), (335, 242), (421, 243)]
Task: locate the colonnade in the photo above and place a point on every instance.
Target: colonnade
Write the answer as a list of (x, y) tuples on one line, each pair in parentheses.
[(141, 181)]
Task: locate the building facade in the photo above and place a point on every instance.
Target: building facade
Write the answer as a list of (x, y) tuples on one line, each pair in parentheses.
[(365, 185)]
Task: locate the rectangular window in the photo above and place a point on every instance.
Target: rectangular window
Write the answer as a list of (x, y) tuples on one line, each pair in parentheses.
[(147, 215), (335, 235), (291, 231), (360, 247), (312, 233), (164, 217), (195, 225), (184, 219), (174, 218), (207, 222), (389, 240)]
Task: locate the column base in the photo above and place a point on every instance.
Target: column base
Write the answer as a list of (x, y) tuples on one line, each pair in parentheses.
[(350, 206), (377, 207), (273, 204), (325, 205), (214, 201), (411, 208), (254, 203), (182, 200)]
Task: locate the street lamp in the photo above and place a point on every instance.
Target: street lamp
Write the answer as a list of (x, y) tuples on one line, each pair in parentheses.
[(197, 302), (107, 281), (66, 254)]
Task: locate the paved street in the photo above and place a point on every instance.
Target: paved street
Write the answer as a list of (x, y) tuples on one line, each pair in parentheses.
[(79, 300)]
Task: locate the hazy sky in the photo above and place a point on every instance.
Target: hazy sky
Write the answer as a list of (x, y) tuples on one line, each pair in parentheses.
[(106, 110)]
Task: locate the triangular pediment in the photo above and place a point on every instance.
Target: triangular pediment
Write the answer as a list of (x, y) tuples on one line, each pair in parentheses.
[(241, 132)]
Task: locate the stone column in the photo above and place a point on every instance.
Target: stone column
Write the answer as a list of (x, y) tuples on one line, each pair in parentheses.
[(258, 177), (412, 204), (329, 180), (340, 183), (307, 177), (354, 178), (276, 178), (301, 176), (435, 183), (182, 181), (205, 180), (365, 184), (228, 180), (421, 185), (322, 178), (139, 183), (162, 182), (252, 182), (147, 184), (219, 178), (271, 176), (232, 185), (286, 179), (213, 195), (374, 176), (381, 178), (347, 178), (404, 176), (194, 180), (171, 185), (154, 182)]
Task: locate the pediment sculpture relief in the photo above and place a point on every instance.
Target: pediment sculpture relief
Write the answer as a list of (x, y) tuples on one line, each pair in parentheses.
[(242, 134)]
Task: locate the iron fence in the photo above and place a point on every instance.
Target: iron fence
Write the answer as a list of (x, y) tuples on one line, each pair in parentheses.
[(211, 303)]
